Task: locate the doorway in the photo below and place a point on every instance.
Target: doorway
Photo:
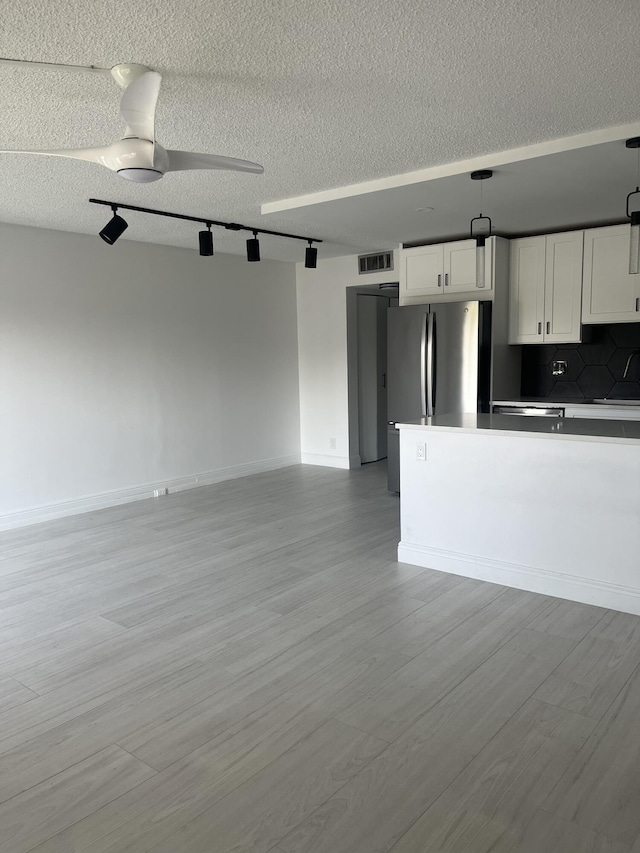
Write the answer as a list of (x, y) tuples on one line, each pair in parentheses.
[(367, 343)]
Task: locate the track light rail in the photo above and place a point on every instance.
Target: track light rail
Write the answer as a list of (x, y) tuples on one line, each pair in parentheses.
[(230, 226)]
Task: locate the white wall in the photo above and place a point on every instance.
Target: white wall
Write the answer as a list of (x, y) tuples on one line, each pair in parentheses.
[(322, 347), (127, 368)]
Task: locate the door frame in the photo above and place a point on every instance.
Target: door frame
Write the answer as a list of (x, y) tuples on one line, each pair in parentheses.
[(388, 290)]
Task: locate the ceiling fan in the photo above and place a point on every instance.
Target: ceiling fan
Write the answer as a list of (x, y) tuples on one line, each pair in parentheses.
[(138, 156)]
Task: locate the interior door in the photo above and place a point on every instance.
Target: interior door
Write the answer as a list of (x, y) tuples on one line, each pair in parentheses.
[(382, 307), (372, 379)]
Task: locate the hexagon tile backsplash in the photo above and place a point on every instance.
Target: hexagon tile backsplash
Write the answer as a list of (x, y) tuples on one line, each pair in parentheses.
[(594, 367)]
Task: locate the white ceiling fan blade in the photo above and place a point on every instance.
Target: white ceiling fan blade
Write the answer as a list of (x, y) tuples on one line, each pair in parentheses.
[(180, 161), (91, 155), (138, 105)]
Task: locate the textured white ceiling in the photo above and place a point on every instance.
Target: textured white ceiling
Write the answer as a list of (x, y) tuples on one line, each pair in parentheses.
[(564, 190), (322, 93)]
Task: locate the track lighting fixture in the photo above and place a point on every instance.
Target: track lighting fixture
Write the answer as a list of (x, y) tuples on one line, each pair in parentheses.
[(206, 242), (114, 228), (117, 225), (634, 215), (253, 248), (311, 257), (480, 228)]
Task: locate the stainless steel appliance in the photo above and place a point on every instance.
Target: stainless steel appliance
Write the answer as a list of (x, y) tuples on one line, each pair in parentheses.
[(530, 411), (438, 362)]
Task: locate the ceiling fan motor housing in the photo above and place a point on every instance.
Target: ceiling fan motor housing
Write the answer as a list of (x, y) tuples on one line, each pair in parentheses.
[(137, 160)]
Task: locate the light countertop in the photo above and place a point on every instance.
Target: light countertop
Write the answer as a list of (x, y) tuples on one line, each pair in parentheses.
[(575, 429)]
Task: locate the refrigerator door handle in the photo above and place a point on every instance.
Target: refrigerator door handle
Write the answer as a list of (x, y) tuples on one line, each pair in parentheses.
[(423, 365), (429, 363)]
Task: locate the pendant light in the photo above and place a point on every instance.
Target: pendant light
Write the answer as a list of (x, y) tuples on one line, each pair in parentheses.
[(480, 228), (634, 215)]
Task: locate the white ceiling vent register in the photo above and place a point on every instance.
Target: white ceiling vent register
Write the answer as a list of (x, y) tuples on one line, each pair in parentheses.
[(375, 263)]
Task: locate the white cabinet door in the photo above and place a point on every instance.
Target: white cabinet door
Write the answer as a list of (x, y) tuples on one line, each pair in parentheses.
[(610, 294), (423, 273), (563, 287), (526, 290), (460, 266)]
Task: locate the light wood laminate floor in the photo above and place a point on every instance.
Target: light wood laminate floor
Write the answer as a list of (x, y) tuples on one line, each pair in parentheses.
[(245, 667)]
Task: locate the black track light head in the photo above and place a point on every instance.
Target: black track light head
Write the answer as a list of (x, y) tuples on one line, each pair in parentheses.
[(206, 242), (114, 228), (253, 248), (311, 257)]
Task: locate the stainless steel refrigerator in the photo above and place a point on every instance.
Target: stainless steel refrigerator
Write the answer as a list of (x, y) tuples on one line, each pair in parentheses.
[(438, 362)]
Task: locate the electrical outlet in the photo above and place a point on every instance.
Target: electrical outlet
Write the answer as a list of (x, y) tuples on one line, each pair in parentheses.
[(421, 451), (332, 443)]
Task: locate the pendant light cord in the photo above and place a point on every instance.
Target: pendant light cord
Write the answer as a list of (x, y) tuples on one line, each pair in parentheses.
[(481, 183)]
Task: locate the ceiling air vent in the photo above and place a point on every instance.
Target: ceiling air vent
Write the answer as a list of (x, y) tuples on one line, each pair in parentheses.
[(375, 263)]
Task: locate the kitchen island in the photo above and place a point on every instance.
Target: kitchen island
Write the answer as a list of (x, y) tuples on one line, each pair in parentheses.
[(550, 505)]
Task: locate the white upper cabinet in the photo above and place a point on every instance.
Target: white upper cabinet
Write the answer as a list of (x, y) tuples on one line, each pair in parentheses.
[(610, 295), (423, 270), (460, 266), (563, 287), (545, 289), (526, 290), (443, 269)]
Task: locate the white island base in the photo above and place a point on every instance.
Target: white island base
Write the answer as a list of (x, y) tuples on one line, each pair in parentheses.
[(532, 503)]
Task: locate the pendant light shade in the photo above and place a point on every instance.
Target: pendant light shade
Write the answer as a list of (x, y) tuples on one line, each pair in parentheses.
[(633, 200), (634, 244), (480, 229), (480, 259)]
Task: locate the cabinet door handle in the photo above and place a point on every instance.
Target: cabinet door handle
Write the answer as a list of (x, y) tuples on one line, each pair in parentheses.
[(439, 280), (548, 327), (638, 304), (446, 279), (539, 328)]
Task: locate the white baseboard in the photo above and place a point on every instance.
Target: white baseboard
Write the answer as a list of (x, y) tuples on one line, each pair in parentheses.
[(556, 584), (325, 460), (49, 512)]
